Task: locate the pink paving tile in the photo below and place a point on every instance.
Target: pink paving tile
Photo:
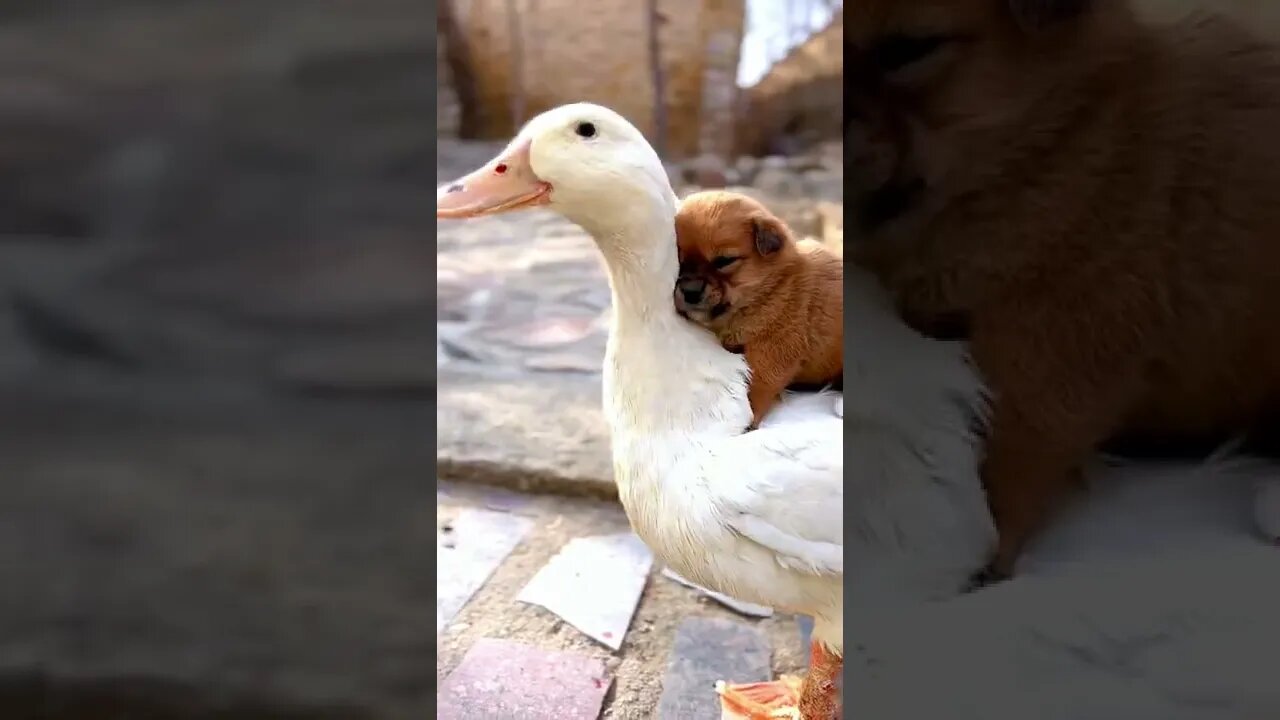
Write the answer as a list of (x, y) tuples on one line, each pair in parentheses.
[(545, 332), (502, 679)]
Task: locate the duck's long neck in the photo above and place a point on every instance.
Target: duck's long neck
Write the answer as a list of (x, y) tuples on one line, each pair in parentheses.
[(642, 281), (662, 373), (641, 257), (639, 247)]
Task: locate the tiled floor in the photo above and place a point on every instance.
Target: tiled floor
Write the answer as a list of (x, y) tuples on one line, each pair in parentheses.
[(624, 641)]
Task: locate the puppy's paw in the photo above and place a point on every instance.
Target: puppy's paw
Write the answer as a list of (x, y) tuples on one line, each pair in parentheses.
[(839, 408), (1266, 509)]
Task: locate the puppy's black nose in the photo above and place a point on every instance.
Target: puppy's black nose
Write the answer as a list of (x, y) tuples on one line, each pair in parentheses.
[(692, 290)]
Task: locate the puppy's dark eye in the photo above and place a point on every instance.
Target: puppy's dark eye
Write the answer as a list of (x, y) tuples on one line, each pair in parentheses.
[(895, 52), (585, 129), (723, 262)]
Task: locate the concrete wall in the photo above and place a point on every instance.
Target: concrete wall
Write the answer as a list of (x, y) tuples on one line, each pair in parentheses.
[(600, 53)]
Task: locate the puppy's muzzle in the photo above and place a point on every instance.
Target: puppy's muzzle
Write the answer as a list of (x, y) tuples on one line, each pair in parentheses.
[(696, 301), (692, 291)]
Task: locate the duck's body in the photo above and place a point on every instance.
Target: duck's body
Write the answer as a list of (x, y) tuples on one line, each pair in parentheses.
[(710, 503), (700, 510), (758, 515), (688, 477)]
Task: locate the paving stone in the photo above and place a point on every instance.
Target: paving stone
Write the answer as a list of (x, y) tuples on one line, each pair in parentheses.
[(592, 296), (806, 631), (455, 341), (594, 584), (468, 550), (739, 606), (543, 433), (708, 650), (564, 363), (492, 498), (504, 500), (505, 680), (545, 332)]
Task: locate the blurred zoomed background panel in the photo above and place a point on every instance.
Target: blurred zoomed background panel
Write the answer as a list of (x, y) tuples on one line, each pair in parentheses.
[(215, 369)]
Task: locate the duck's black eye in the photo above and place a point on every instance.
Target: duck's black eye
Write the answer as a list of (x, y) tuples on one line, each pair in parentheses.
[(895, 52), (723, 262), (585, 129)]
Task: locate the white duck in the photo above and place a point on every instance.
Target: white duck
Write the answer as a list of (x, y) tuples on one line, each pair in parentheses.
[(758, 516)]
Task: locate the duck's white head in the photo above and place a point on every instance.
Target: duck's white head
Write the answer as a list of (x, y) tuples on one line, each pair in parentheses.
[(584, 161)]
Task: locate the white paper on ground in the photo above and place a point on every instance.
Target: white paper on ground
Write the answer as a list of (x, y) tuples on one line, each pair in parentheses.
[(594, 584), (740, 606), (468, 555)]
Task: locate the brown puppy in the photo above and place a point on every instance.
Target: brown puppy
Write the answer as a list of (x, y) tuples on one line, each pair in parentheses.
[(1093, 201), (777, 301)]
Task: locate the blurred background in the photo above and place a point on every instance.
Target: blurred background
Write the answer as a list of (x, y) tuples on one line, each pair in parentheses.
[(215, 369), (734, 78)]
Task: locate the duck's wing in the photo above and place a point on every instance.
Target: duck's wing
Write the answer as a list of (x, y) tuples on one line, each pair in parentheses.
[(782, 487)]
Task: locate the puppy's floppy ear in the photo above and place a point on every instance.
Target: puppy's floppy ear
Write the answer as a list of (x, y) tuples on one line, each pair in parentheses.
[(1037, 14), (768, 233)]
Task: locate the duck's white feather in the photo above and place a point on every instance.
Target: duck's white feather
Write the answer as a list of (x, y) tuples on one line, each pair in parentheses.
[(780, 485)]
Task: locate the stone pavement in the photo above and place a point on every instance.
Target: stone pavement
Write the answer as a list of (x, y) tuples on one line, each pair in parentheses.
[(522, 315), (658, 647), (522, 312)]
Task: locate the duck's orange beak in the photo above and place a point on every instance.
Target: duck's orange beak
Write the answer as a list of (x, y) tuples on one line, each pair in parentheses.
[(503, 184)]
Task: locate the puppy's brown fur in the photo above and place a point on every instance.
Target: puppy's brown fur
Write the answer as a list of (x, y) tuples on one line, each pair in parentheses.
[(1093, 202), (778, 301)]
